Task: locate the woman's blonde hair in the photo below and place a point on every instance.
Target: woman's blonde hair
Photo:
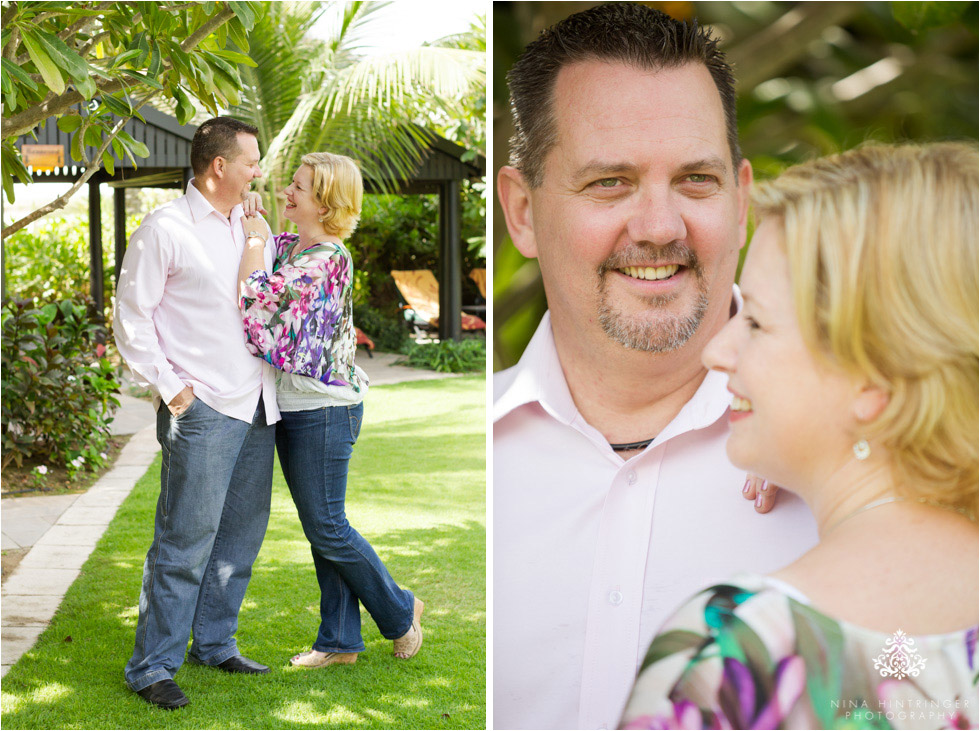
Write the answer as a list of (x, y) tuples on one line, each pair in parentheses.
[(882, 248), (338, 187)]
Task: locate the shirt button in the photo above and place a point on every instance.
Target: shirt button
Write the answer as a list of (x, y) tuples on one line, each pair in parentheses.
[(615, 598), (631, 477)]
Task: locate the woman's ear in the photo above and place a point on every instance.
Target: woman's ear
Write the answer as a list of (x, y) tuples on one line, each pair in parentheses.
[(870, 402)]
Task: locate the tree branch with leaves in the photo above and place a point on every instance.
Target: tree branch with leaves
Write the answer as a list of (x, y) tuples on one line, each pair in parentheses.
[(84, 63)]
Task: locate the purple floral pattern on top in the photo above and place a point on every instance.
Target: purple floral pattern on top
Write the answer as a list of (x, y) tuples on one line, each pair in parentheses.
[(747, 655), (298, 318)]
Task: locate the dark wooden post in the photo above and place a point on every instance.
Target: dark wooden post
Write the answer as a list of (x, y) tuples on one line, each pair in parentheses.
[(450, 274), (96, 275), (119, 203)]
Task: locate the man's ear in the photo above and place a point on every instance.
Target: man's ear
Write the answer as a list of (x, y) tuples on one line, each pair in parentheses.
[(869, 403), (218, 167), (515, 200), (744, 193)]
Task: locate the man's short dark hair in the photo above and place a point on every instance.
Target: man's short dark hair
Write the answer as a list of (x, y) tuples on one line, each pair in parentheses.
[(618, 32), (218, 137)]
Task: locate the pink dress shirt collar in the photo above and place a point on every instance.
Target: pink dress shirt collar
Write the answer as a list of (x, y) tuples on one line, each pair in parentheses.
[(538, 377), (201, 208)]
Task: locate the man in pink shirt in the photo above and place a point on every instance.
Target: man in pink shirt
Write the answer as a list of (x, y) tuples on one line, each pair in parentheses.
[(178, 326), (613, 496)]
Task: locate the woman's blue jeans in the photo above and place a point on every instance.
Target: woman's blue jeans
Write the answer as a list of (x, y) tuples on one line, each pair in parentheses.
[(314, 451)]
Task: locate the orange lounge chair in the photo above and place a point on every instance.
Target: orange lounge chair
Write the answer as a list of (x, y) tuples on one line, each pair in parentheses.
[(364, 340), (480, 277), (421, 291)]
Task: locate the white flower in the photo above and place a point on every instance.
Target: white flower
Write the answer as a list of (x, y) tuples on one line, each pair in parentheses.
[(41, 469), (71, 379), (78, 461), (103, 455)]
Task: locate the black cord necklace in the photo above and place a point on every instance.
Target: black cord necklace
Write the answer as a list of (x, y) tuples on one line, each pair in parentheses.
[(632, 445)]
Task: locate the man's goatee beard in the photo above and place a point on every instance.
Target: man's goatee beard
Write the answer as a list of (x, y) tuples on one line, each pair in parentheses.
[(666, 332), (662, 335)]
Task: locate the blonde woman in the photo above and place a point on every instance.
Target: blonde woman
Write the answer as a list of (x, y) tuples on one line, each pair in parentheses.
[(298, 318), (853, 369)]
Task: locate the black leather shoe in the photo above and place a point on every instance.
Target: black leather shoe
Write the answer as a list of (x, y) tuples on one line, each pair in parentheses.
[(241, 664), (164, 694)]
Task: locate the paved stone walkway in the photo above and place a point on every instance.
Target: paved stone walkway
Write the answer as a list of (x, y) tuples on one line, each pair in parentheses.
[(62, 530)]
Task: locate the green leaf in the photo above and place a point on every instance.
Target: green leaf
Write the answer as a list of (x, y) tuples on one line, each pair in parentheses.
[(47, 314), (143, 79), (235, 57), (244, 12), (185, 107), (76, 148), (119, 107), (221, 35), (178, 59), (238, 34), (8, 185), (93, 136), (19, 74), (108, 162), (132, 145), (230, 71), (69, 123), (10, 101), (203, 72), (156, 62), (86, 87), (123, 57), (918, 16), (228, 91), (225, 77), (42, 62), (63, 55), (144, 50)]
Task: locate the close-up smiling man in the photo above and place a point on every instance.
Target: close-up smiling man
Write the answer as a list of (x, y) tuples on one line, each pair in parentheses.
[(613, 496)]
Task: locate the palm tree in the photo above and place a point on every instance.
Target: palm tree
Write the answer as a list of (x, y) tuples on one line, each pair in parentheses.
[(310, 94)]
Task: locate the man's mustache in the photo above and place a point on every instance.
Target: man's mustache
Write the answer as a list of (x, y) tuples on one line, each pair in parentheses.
[(652, 255)]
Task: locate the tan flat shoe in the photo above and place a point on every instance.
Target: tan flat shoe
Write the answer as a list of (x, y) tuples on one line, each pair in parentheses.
[(409, 643), (317, 659)]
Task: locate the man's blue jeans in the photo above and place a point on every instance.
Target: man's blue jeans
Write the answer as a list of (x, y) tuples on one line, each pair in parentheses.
[(215, 490), (314, 451)]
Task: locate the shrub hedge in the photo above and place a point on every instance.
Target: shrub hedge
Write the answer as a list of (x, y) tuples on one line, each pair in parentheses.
[(58, 389)]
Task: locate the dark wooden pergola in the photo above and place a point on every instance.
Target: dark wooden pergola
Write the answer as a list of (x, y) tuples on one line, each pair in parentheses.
[(441, 170)]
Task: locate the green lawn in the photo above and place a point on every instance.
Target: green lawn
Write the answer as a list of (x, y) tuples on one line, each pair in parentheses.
[(416, 492)]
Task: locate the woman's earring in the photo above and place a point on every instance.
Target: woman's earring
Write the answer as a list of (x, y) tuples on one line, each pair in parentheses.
[(861, 449)]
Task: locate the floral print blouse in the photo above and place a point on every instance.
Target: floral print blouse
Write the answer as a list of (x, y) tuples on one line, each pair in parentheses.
[(298, 318), (753, 654)]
